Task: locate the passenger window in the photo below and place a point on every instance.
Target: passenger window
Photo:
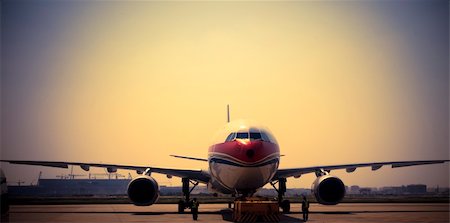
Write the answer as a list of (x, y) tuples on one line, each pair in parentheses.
[(255, 135), (242, 135)]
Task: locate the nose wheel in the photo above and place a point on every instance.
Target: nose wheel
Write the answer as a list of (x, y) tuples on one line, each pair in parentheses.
[(285, 205), (181, 206)]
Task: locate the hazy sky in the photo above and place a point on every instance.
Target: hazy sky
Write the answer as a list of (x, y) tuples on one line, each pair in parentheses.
[(132, 82)]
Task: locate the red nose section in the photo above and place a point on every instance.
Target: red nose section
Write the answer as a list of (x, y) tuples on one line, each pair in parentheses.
[(250, 148), (245, 150)]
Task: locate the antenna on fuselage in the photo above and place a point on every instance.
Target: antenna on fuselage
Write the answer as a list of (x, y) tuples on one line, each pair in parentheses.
[(228, 113)]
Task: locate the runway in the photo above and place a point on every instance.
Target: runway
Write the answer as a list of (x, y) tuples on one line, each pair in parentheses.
[(219, 213)]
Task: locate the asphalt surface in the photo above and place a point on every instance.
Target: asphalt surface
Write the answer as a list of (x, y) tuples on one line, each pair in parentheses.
[(220, 213)]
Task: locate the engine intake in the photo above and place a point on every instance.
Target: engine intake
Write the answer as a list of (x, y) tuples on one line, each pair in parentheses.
[(328, 190), (143, 191)]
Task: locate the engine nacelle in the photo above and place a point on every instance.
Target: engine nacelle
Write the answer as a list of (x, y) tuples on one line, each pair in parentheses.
[(328, 190), (143, 191)]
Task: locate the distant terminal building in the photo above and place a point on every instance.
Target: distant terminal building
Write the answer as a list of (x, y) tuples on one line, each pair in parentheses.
[(354, 189), (416, 189), (408, 189), (365, 190), (67, 185), (395, 190), (72, 187)]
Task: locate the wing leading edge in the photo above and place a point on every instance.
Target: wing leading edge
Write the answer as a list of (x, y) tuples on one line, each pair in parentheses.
[(296, 172), (190, 158), (198, 175)]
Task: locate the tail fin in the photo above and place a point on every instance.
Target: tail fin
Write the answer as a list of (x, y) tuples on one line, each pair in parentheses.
[(228, 113)]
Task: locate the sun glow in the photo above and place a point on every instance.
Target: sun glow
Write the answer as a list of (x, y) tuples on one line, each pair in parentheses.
[(132, 82)]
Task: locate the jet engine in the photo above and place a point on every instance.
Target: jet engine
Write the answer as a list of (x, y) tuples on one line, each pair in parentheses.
[(328, 190), (143, 191)]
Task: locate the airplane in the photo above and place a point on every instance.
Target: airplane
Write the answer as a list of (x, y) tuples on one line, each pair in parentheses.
[(244, 158)]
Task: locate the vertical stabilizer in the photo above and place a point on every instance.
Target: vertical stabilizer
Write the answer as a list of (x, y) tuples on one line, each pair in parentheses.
[(228, 113)]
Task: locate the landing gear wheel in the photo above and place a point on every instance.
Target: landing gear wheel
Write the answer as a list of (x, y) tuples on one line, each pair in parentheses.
[(285, 206), (181, 206)]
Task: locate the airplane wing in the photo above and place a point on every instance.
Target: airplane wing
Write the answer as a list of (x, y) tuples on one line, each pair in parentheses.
[(198, 175), (190, 158), (297, 172)]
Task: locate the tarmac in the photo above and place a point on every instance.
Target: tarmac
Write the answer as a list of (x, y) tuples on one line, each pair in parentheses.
[(385, 212)]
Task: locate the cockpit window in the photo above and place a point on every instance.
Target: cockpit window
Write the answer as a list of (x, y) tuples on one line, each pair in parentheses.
[(252, 135), (230, 137), (242, 135), (264, 137), (267, 137), (255, 135)]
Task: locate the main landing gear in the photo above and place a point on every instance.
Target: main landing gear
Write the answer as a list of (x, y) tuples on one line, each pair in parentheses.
[(284, 204), (185, 203)]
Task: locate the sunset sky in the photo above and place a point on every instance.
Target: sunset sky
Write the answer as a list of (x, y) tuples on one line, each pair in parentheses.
[(132, 82)]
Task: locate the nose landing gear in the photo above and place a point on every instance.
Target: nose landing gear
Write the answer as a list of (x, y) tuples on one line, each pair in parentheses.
[(281, 190), (185, 203)]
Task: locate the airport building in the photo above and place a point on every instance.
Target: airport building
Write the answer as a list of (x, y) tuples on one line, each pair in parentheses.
[(72, 187), (113, 185), (416, 189)]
